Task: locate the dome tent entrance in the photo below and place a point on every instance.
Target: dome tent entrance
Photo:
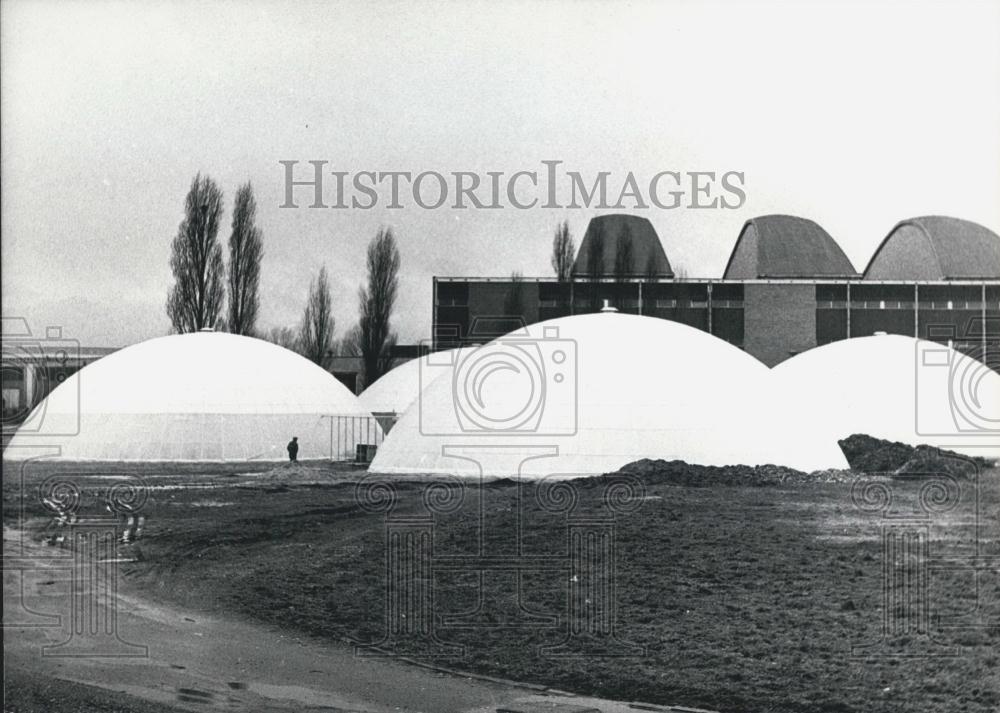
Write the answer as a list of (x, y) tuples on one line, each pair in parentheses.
[(600, 390), (190, 397)]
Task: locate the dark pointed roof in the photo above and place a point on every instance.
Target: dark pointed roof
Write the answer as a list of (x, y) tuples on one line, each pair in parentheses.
[(648, 256), (936, 247), (786, 246)]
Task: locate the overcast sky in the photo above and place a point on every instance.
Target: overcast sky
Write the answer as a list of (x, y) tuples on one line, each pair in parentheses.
[(853, 115)]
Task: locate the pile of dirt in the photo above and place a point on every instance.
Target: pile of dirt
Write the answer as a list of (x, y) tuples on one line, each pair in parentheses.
[(866, 454), (678, 472)]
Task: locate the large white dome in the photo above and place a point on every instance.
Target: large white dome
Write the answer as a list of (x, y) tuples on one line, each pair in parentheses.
[(897, 388), (203, 396), (605, 390)]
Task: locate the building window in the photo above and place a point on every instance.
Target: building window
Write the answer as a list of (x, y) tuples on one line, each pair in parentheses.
[(453, 294)]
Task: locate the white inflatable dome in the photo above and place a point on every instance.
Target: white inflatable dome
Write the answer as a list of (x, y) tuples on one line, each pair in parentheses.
[(587, 394), (398, 389), (897, 388), (191, 397)]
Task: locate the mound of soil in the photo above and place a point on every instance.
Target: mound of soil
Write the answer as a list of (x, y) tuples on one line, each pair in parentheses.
[(866, 454), (678, 472)]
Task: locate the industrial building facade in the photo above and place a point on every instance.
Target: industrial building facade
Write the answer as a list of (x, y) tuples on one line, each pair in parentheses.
[(787, 288)]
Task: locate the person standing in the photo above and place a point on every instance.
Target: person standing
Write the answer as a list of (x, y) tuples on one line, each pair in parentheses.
[(293, 449)]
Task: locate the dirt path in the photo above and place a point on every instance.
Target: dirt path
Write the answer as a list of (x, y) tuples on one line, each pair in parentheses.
[(194, 662)]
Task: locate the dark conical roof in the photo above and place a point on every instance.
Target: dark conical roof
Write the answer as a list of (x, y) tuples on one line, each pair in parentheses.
[(604, 235)]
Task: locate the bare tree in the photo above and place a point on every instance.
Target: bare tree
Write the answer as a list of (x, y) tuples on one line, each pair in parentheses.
[(651, 270), (595, 263), (350, 343), (195, 300), (624, 266), (376, 302), (624, 255), (316, 331), (563, 252), (595, 253), (513, 301), (245, 252), (286, 337)]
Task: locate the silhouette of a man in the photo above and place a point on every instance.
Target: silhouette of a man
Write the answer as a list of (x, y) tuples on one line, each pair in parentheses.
[(293, 449)]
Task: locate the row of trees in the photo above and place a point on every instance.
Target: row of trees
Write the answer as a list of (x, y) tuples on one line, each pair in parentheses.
[(203, 282), (211, 293), (372, 337), (200, 279)]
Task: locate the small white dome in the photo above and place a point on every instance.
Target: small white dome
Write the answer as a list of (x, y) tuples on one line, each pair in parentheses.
[(199, 396), (605, 390), (897, 388), (399, 388)]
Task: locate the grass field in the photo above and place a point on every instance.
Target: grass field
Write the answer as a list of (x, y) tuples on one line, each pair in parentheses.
[(745, 598)]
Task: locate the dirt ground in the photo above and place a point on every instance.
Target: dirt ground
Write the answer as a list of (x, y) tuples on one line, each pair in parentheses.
[(27, 691), (735, 598)]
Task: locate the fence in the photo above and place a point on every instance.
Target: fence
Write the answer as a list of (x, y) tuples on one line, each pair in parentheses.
[(353, 437)]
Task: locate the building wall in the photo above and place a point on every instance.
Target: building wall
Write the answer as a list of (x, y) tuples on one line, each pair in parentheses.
[(882, 308), (991, 327), (779, 320), (486, 299), (26, 382), (770, 320), (15, 396)]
